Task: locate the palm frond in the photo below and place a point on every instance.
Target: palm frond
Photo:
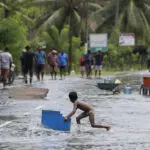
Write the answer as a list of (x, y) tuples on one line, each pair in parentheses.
[(147, 11), (76, 16), (42, 2), (24, 16), (132, 17), (54, 34), (4, 6), (55, 17), (64, 36), (121, 25), (93, 6), (51, 19), (146, 25)]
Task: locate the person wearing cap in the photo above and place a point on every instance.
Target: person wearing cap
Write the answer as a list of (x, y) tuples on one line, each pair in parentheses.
[(28, 64), (53, 63), (117, 89)]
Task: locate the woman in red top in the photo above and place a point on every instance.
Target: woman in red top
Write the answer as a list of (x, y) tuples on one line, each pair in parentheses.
[(82, 66)]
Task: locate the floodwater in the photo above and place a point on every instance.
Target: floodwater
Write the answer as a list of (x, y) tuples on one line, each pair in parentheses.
[(129, 116)]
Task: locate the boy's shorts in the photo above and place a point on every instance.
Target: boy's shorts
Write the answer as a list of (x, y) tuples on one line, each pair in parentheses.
[(98, 67)]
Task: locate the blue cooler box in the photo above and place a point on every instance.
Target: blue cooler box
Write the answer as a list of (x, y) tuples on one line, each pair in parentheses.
[(55, 120)]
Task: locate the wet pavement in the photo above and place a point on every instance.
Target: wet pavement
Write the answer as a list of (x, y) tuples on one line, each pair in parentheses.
[(129, 116)]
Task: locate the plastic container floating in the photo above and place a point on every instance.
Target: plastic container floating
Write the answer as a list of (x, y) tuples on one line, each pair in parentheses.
[(55, 120), (127, 90)]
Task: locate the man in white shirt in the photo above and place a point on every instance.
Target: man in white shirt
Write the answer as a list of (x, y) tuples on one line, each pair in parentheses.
[(5, 64)]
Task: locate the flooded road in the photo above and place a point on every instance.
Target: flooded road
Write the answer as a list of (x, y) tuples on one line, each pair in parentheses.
[(129, 116)]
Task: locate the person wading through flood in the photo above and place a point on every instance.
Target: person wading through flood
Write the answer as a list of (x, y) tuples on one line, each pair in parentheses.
[(98, 63), (87, 111), (53, 63), (5, 65), (88, 63), (63, 61), (22, 62), (28, 64), (40, 62), (82, 66)]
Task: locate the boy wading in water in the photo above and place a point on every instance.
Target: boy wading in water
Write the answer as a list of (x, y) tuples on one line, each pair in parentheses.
[(87, 111)]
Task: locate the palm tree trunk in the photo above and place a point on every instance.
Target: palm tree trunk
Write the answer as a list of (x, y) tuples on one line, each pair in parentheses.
[(70, 49), (70, 41), (117, 13), (87, 27)]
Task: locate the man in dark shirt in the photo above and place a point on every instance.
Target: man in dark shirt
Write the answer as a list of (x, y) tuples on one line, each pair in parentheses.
[(28, 63), (98, 63)]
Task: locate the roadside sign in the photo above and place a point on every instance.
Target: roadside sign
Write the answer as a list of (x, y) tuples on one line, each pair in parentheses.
[(98, 42), (127, 39)]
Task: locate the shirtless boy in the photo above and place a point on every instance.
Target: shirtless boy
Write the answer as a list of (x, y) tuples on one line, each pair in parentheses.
[(87, 111)]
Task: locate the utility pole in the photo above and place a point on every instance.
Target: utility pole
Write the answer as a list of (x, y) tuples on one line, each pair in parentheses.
[(117, 13), (86, 16), (70, 38)]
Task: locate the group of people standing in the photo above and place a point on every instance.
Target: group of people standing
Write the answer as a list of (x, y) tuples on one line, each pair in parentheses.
[(35, 61), (89, 60), (31, 61), (57, 61)]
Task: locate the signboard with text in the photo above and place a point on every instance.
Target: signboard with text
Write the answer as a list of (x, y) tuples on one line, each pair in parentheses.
[(98, 42), (127, 39)]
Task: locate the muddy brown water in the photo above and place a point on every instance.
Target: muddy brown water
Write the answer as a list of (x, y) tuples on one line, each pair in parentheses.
[(129, 116)]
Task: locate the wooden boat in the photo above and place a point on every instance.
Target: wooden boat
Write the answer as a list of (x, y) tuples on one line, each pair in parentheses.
[(27, 93), (107, 86)]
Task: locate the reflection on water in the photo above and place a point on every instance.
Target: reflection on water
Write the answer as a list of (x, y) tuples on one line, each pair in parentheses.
[(127, 114), (7, 118)]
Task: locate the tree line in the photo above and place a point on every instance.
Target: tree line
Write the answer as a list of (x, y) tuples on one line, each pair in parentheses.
[(66, 24)]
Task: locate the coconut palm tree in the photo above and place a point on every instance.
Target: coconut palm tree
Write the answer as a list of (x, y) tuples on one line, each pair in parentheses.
[(127, 16), (14, 6), (67, 12)]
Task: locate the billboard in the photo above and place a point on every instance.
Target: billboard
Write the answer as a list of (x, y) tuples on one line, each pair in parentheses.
[(98, 42), (127, 39)]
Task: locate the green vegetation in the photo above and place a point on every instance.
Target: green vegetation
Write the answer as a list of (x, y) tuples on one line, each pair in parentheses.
[(66, 24), (12, 35)]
